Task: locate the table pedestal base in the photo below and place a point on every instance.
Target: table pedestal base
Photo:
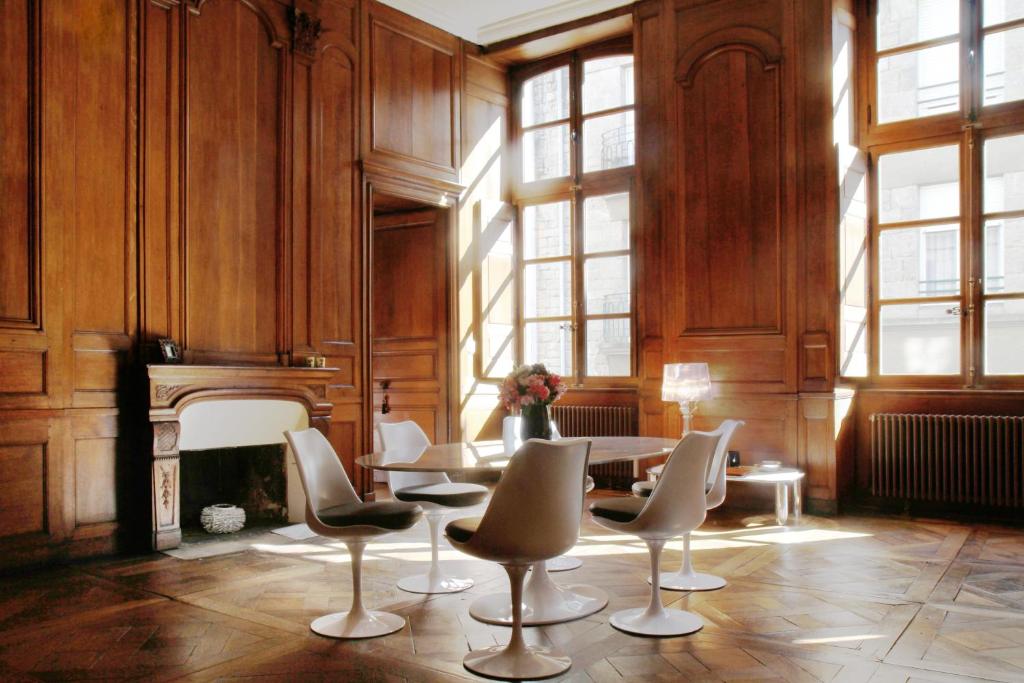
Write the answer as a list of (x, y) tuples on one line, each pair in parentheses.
[(544, 602)]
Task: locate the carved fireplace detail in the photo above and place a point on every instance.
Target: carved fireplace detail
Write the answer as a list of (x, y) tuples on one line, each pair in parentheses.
[(174, 387)]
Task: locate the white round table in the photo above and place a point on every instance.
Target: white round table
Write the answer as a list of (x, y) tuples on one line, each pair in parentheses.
[(783, 478), (544, 601)]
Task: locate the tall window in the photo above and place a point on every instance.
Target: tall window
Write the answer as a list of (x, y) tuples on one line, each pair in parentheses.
[(944, 130), (576, 144)]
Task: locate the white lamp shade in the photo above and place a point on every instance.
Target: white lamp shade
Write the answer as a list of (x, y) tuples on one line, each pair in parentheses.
[(686, 382)]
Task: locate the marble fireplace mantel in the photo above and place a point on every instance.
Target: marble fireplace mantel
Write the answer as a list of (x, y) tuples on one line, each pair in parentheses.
[(172, 388)]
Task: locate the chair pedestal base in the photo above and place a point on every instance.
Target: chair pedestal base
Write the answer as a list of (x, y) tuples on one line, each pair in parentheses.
[(517, 663), (434, 581), (667, 622), (544, 602), (686, 579), (563, 563), (367, 624), (696, 581)]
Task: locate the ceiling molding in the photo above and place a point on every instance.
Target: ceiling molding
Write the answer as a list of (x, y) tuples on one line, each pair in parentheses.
[(489, 21), (460, 24), (557, 13)]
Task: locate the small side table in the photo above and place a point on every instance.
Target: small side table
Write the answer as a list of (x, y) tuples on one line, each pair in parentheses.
[(782, 478)]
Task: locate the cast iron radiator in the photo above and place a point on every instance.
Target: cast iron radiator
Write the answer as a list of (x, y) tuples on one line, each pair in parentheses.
[(600, 421), (971, 459)]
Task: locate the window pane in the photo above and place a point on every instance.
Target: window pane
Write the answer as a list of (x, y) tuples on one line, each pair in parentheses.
[(608, 348), (920, 339), (607, 83), (1004, 173), (998, 11), (1003, 55), (606, 284), (902, 22), (919, 185), (546, 230), (547, 290), (1004, 256), (606, 223), (1004, 330), (919, 262), (918, 83), (546, 153), (550, 344), (546, 97), (608, 142)]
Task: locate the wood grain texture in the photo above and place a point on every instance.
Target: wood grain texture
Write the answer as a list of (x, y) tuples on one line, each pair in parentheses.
[(18, 232), (235, 152), (836, 600), (409, 321), (411, 93)]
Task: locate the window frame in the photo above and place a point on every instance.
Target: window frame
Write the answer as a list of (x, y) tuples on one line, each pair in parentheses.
[(970, 127), (574, 188)]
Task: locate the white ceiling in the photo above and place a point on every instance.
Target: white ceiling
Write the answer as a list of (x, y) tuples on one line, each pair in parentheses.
[(488, 21)]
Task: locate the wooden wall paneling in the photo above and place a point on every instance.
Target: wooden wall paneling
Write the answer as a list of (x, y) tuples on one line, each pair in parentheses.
[(653, 53), (816, 452), (484, 270), (89, 148), (336, 256), (95, 473), (236, 169), (19, 230), (409, 318), (734, 262), (411, 87), (31, 454), (160, 157), (818, 199)]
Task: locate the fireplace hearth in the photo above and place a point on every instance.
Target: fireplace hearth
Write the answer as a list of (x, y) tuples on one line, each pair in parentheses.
[(252, 477)]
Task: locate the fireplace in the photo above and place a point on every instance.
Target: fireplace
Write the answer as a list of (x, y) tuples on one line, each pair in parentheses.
[(222, 412), (254, 478)]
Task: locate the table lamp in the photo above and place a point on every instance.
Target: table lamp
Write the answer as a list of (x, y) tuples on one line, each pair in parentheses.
[(686, 383)]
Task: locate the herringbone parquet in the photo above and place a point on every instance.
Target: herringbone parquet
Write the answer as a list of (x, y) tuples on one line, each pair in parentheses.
[(844, 599)]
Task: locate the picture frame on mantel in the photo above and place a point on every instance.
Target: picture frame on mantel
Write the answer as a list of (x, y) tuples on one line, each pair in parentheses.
[(170, 351)]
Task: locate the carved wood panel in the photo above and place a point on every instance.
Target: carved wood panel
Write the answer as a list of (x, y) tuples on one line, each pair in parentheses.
[(731, 178)]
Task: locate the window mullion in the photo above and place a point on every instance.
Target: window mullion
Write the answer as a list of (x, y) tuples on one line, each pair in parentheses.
[(971, 257), (575, 135)]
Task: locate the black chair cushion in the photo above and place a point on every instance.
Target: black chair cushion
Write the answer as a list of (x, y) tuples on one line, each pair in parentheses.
[(461, 530), (385, 515), (642, 489), (618, 509), (453, 495)]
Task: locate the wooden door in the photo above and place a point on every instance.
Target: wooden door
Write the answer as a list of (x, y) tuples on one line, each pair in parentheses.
[(409, 326)]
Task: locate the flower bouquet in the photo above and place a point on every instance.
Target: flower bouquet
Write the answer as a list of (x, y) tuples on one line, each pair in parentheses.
[(531, 389)]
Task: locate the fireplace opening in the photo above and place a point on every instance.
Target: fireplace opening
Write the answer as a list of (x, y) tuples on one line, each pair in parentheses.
[(251, 477)]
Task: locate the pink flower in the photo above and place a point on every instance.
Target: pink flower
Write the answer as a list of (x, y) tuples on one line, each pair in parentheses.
[(540, 391)]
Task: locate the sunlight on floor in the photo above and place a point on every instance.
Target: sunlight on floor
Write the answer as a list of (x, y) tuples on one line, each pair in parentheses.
[(838, 639), (805, 536)]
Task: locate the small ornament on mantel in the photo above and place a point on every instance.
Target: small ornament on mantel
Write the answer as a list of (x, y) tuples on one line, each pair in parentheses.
[(532, 389)]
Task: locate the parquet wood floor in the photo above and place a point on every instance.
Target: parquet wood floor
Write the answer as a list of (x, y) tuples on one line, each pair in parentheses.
[(843, 600)]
